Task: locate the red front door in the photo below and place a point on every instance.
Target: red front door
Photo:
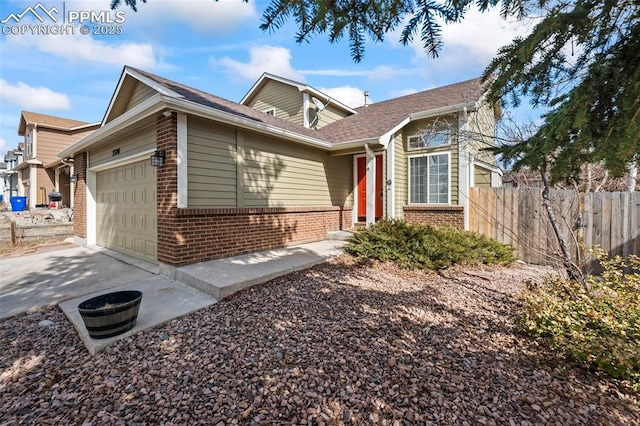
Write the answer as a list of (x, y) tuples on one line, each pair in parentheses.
[(362, 187)]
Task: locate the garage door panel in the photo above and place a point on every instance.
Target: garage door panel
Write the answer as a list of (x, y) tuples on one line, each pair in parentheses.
[(126, 210)]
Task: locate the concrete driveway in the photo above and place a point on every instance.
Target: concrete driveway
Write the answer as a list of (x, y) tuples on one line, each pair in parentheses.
[(50, 278), (68, 276)]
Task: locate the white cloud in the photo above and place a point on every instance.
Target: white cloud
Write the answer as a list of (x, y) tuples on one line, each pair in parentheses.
[(388, 72), (4, 147), (381, 72), (468, 46), (482, 34), (204, 16), (272, 59), (33, 98), (351, 96), (79, 48), (336, 73)]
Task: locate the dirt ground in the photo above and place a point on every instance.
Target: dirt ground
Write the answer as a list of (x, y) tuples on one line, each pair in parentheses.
[(40, 245), (340, 343)]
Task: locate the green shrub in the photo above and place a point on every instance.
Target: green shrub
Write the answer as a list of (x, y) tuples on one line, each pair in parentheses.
[(425, 247), (600, 329)]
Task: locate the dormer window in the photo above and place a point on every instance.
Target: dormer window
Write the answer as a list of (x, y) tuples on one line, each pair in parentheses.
[(271, 111)]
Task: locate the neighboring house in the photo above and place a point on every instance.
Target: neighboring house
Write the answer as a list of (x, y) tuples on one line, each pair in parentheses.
[(234, 178), (3, 182), (12, 159), (42, 171)]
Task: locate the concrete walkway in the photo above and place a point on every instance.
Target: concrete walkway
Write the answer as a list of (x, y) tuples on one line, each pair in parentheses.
[(70, 276), (223, 277)]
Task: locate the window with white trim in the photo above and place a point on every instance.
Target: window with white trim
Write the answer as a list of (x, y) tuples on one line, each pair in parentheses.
[(437, 135), (270, 111), (29, 141), (429, 179)]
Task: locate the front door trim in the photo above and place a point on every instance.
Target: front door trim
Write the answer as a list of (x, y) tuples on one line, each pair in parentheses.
[(379, 205)]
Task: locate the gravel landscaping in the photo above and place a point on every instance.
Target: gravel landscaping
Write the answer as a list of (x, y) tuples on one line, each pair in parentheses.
[(340, 343)]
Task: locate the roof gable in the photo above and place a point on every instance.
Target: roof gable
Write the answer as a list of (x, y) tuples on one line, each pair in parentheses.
[(130, 82), (378, 121), (379, 118), (49, 121), (207, 99), (265, 78)]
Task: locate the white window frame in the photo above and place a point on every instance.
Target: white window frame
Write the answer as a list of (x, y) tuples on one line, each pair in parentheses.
[(425, 143), (430, 154), (29, 141), (270, 111)]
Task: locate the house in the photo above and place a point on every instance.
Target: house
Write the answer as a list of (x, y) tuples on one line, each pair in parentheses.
[(284, 166), (3, 182), (12, 159), (41, 171)]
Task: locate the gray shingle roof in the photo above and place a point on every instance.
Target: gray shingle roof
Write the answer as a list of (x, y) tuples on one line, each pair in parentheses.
[(50, 120), (378, 118), (370, 122), (212, 101)]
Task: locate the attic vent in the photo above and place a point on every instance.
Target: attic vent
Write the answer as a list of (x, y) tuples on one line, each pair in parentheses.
[(271, 111)]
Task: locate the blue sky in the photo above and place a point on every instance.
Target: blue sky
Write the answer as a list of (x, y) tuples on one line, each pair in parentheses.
[(217, 47)]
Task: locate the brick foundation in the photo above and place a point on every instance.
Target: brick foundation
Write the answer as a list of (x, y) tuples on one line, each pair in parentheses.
[(435, 215), (80, 196), (197, 235)]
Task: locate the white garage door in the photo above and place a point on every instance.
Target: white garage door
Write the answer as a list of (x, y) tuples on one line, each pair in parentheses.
[(126, 210)]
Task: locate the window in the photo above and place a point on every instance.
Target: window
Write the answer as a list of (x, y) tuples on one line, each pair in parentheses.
[(29, 140), (438, 134), (430, 140), (429, 179), (271, 111)]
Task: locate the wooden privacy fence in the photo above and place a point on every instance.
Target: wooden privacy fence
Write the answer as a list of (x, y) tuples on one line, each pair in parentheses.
[(516, 216)]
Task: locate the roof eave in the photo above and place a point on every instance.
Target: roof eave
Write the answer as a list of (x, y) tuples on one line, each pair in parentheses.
[(451, 109), (159, 102), (492, 167), (144, 109), (328, 98), (84, 126), (232, 119), (128, 71), (254, 88), (356, 143), (385, 139), (299, 86)]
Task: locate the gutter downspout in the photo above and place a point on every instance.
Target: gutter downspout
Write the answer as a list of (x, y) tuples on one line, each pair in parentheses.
[(72, 186), (464, 169)]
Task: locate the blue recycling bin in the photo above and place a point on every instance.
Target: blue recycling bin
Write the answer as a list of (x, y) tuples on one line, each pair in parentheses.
[(18, 204), (1, 198)]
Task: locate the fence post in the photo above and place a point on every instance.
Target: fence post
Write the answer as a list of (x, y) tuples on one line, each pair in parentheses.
[(14, 239)]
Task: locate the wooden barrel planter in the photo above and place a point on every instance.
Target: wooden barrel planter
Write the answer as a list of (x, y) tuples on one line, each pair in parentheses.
[(110, 314)]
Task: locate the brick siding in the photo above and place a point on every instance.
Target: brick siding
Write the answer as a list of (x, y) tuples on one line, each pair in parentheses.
[(167, 188), (80, 196), (198, 235), (435, 215), (195, 235)]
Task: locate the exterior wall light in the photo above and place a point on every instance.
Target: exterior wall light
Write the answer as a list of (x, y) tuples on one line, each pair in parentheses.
[(73, 178), (157, 159)]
